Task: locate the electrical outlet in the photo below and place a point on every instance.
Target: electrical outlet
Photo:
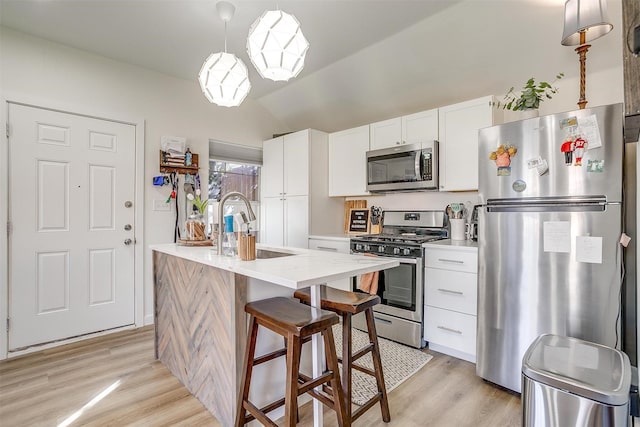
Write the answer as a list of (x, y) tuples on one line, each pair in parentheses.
[(161, 205)]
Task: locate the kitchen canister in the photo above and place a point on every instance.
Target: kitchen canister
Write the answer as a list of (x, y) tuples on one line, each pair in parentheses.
[(458, 227)]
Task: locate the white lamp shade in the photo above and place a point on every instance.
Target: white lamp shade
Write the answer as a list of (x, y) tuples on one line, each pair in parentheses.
[(276, 45), (224, 79), (588, 15)]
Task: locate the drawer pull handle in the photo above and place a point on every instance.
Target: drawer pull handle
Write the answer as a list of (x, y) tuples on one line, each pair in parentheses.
[(455, 261), (326, 248), (378, 319), (455, 331), (449, 291)]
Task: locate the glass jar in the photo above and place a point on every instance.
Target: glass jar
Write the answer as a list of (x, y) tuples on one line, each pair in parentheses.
[(195, 227)]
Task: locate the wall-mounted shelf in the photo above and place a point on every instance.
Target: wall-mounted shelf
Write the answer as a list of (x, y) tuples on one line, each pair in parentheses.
[(168, 168)]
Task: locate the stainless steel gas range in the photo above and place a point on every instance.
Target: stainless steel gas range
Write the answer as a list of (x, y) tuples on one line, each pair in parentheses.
[(399, 317)]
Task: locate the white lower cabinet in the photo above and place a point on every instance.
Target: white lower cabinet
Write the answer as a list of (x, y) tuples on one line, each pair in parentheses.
[(333, 245), (288, 220), (450, 298)]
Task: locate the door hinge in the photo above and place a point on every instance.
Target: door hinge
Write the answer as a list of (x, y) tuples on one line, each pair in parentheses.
[(7, 130), (9, 228), (7, 324)]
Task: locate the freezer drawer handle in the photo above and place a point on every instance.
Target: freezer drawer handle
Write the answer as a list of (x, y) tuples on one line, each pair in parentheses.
[(449, 291), (382, 320), (326, 248), (455, 331), (455, 261)]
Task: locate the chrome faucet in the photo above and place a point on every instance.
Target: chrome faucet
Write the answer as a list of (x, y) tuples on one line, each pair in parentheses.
[(236, 194)]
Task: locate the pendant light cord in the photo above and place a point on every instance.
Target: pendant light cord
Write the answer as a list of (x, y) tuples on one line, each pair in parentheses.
[(225, 36)]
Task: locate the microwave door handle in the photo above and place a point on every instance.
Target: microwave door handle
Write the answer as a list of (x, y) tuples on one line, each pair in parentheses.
[(418, 165)]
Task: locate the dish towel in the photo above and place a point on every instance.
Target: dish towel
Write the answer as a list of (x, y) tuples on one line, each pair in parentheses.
[(369, 283)]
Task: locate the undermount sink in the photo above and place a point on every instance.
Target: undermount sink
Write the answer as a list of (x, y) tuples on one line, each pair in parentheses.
[(266, 254)]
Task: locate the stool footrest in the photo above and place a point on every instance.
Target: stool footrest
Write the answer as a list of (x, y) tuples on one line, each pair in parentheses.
[(269, 356), (358, 354), (364, 370), (362, 409), (258, 415), (308, 385), (326, 400)]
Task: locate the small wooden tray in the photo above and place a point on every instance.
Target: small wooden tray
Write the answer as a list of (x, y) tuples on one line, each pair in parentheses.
[(183, 242)]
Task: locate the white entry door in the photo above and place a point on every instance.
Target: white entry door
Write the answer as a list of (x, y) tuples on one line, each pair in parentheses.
[(71, 189)]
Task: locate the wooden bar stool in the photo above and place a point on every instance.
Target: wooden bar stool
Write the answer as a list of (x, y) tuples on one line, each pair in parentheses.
[(295, 322), (346, 304)]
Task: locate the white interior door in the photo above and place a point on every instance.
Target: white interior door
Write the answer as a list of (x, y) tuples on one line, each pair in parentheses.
[(71, 270)]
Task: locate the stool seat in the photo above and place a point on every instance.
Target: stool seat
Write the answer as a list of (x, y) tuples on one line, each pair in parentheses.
[(290, 316), (339, 301)]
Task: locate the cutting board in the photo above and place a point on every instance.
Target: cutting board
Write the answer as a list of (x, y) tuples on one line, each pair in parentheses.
[(352, 204)]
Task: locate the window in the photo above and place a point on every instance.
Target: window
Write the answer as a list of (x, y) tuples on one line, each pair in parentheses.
[(226, 176)]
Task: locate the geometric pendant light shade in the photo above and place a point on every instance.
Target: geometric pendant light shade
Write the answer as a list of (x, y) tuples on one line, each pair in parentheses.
[(223, 78), (276, 45)]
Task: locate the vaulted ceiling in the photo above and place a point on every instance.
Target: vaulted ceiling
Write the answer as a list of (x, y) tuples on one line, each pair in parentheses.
[(368, 60)]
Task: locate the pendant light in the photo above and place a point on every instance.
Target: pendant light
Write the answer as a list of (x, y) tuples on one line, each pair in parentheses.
[(276, 45), (223, 77)]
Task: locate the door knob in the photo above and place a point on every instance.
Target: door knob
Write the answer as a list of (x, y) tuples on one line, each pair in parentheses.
[(128, 204), (128, 241), (127, 227)]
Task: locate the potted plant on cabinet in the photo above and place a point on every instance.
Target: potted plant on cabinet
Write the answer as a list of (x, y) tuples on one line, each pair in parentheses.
[(530, 97)]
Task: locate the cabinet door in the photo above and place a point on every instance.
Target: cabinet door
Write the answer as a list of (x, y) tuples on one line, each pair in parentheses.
[(348, 162), (296, 163), (385, 134), (296, 221), (420, 127), (271, 174), (459, 125), (337, 247), (272, 221)]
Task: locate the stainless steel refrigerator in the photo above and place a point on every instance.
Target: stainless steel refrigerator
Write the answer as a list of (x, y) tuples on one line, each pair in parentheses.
[(549, 231)]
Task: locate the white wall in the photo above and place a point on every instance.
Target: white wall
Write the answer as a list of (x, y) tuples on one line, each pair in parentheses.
[(53, 75)]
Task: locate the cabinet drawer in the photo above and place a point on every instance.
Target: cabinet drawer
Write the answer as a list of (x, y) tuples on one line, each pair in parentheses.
[(451, 290), (450, 329), (329, 245), (450, 259)]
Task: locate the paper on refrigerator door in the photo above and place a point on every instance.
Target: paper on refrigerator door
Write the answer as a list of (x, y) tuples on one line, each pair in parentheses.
[(589, 249), (557, 236), (588, 127)]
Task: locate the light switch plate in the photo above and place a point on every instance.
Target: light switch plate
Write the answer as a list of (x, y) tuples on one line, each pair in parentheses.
[(161, 205)]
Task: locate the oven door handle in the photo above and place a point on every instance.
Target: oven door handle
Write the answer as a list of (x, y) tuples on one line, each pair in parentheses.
[(400, 260)]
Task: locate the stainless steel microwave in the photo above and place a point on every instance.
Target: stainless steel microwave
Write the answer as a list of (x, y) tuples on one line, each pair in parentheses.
[(403, 168)]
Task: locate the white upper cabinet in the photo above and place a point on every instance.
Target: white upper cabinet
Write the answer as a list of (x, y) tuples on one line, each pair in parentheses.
[(272, 173), (286, 165), (385, 134), (294, 190), (348, 162), (458, 136), (420, 127), (296, 163), (411, 129)]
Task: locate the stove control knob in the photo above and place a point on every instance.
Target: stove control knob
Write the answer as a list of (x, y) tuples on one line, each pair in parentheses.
[(367, 247), (407, 251), (358, 247), (381, 248), (396, 251)]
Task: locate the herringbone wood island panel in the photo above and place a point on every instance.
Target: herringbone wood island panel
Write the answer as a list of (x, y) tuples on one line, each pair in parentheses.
[(201, 329)]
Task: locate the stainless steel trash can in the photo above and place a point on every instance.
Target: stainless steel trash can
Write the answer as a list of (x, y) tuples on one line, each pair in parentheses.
[(570, 382)]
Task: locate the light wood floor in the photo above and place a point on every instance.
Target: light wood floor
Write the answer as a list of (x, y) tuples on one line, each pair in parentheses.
[(49, 387)]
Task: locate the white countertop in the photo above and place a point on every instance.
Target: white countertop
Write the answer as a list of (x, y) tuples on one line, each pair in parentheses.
[(305, 268), (452, 243)]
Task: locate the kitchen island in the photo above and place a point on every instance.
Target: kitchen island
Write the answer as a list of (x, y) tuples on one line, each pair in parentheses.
[(201, 325)]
